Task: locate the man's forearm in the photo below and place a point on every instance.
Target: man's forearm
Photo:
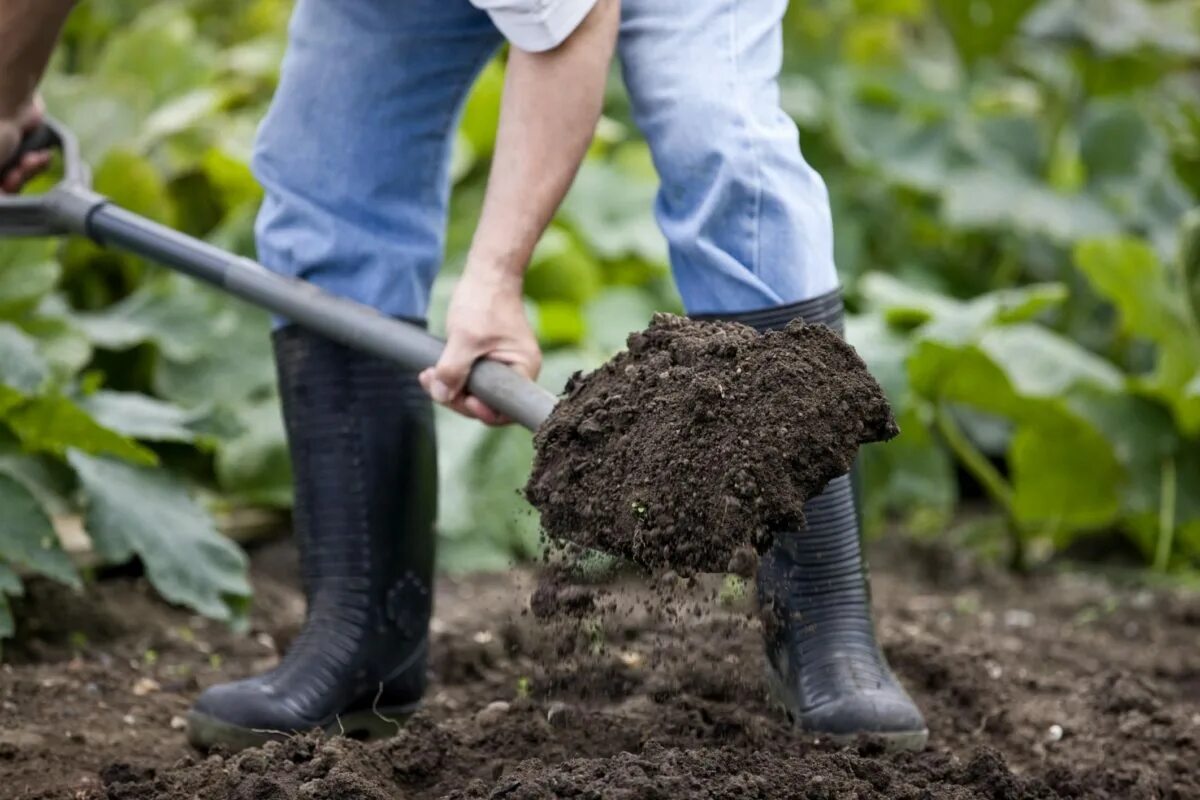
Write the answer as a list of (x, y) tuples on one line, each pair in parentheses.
[(551, 104), (28, 32)]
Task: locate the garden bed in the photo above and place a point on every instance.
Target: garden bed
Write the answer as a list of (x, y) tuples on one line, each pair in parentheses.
[(1056, 686)]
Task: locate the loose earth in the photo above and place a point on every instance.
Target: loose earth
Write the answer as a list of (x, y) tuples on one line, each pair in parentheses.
[(689, 449), (1055, 686)]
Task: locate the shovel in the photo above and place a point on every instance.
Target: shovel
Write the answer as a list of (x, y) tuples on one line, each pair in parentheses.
[(71, 207)]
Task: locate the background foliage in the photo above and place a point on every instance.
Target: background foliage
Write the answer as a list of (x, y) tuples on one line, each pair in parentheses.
[(1010, 181)]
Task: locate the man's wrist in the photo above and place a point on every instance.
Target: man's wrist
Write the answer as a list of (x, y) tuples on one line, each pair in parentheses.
[(500, 272)]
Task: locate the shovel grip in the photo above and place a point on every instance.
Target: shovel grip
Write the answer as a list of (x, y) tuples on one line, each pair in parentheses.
[(40, 138)]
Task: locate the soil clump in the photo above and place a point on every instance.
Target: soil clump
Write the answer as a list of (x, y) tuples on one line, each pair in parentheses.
[(695, 444)]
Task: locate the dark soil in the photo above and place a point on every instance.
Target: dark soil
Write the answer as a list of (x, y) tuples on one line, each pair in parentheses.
[(690, 448), (1055, 686)]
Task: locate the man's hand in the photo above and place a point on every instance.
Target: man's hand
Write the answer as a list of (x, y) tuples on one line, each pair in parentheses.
[(12, 130), (486, 319)]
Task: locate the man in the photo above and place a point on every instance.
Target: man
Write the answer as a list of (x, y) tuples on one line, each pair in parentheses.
[(354, 156)]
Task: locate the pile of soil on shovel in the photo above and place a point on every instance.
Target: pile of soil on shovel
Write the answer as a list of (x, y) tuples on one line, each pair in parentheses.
[(686, 451), (1058, 686)]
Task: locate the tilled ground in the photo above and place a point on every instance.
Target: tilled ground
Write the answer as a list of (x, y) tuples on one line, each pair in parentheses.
[(1059, 686)]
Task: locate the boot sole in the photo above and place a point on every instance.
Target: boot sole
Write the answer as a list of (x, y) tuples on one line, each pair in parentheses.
[(205, 732), (892, 741)]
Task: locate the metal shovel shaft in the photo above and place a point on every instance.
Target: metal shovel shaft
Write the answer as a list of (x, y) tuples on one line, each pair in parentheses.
[(72, 207), (342, 320)]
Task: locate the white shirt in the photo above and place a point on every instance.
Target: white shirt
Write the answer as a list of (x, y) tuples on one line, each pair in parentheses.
[(536, 25)]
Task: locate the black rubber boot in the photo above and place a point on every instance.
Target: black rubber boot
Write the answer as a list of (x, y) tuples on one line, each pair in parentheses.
[(824, 665), (362, 446)]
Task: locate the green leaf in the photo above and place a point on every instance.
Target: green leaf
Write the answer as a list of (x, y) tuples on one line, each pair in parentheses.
[(559, 323), (27, 536), (481, 113), (1064, 473), (982, 27), (162, 49), (133, 510), (27, 272), (1119, 27), (180, 317), (910, 476), (614, 314), (1189, 259), (1127, 273), (10, 586), (254, 466), (64, 347), (991, 200), (54, 424), (908, 306), (138, 416), (562, 270), (134, 183), (611, 211), (22, 368), (234, 365)]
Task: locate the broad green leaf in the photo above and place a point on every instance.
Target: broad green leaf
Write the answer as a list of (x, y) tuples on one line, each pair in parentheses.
[(988, 199), (141, 417), (27, 536), (484, 522), (132, 510), (481, 113), (1119, 27), (1189, 259), (982, 27), (163, 50), (177, 315), (562, 270), (908, 306), (1040, 363), (1065, 474), (612, 213), (614, 314), (1129, 275), (234, 365), (1007, 368), (253, 466), (22, 368), (27, 272), (910, 476), (133, 183), (54, 424), (64, 347), (47, 479), (884, 349), (10, 586), (559, 323)]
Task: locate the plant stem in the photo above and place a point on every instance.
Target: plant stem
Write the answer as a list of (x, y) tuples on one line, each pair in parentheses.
[(1166, 516), (995, 484)]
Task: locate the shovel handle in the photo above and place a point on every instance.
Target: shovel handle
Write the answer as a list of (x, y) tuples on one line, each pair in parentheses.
[(72, 207)]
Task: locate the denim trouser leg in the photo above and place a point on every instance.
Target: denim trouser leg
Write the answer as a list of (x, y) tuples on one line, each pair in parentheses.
[(354, 152), (747, 220)]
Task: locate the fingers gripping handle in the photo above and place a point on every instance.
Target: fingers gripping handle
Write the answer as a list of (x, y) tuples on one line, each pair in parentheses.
[(63, 209), (41, 138)]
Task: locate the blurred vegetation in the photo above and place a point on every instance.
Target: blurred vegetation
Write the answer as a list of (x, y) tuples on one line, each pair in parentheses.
[(1011, 182)]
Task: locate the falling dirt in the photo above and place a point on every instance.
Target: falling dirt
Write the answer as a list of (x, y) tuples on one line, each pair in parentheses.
[(689, 449), (1059, 686)]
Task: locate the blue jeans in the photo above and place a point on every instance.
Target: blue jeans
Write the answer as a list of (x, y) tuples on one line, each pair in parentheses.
[(354, 153)]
